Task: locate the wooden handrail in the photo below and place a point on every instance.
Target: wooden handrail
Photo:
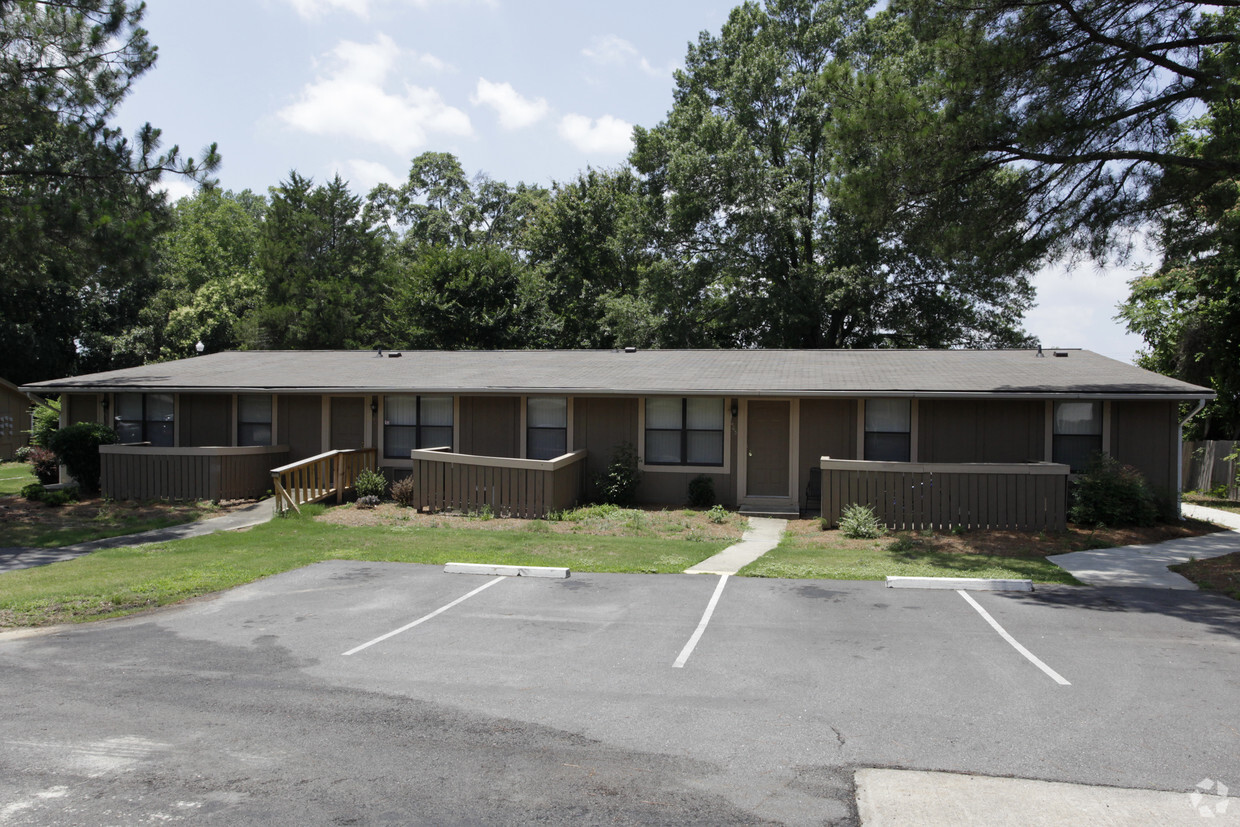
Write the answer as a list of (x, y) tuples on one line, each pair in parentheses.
[(318, 477)]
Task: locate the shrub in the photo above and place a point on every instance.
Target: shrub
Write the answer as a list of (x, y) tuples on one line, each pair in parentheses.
[(367, 501), (717, 514), (46, 421), (1110, 493), (59, 497), (370, 484), (405, 491), (701, 492), (33, 491), (78, 449), (22, 454), (44, 464), (858, 522), (618, 483)]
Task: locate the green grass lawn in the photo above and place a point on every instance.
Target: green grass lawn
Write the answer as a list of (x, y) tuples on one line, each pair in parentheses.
[(121, 581), (14, 476), (74, 524), (804, 557)]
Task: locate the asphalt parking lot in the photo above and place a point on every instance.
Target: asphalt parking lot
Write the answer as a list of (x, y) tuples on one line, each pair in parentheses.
[(581, 699)]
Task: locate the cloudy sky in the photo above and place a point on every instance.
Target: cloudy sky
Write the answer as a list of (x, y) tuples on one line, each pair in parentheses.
[(522, 90)]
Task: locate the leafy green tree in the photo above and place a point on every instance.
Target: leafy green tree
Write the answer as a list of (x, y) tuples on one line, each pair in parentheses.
[(754, 183), (588, 244), (78, 212), (456, 298), (322, 270)]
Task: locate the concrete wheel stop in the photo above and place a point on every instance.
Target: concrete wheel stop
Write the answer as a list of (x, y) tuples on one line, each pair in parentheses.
[(507, 571), (982, 584)]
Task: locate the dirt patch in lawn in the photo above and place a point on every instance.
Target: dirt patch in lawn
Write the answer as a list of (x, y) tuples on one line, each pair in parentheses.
[(1009, 543), (683, 524), (27, 523), (1218, 574)]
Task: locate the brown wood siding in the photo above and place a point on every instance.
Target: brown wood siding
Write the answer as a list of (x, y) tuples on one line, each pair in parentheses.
[(1144, 435), (206, 419), (14, 421), (600, 425), (348, 423), (490, 426), (828, 429), (301, 425), (445, 483), (81, 407), (961, 430), (768, 437)]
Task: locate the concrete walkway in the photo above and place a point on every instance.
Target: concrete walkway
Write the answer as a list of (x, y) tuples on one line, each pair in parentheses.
[(24, 558), (762, 535), (942, 799), (1146, 566)]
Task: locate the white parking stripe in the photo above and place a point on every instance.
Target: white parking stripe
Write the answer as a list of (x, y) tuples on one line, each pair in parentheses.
[(422, 619), (1032, 658), (701, 627)]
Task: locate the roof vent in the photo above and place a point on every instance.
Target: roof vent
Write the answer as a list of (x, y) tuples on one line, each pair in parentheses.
[(1061, 354), (630, 349)]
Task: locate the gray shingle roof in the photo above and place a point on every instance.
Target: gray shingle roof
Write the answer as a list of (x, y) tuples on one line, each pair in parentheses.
[(744, 372)]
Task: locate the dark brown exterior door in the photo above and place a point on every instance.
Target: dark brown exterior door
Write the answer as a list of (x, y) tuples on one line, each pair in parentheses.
[(767, 468)]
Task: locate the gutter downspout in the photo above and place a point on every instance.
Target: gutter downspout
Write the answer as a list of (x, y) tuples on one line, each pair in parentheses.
[(1179, 460)]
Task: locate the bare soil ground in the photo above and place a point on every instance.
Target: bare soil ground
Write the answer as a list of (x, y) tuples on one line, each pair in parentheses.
[(1014, 543), (684, 524), (1218, 574)]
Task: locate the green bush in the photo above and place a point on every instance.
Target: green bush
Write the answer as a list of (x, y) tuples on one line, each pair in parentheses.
[(370, 484), (59, 497), (78, 449), (858, 522), (701, 492), (33, 491), (44, 464), (46, 421), (618, 484), (405, 491), (717, 514), (1112, 494)]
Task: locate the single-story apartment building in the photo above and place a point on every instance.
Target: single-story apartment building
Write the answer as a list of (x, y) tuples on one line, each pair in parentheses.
[(765, 426)]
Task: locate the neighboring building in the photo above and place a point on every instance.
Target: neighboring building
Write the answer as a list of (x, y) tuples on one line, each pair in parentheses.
[(14, 419), (756, 422)]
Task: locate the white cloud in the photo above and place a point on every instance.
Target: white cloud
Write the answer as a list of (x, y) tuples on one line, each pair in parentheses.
[(514, 110), (611, 50), (363, 175), (604, 135), (177, 187), (313, 9), (351, 101)]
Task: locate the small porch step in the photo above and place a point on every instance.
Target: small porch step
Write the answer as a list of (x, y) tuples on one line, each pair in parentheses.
[(780, 511)]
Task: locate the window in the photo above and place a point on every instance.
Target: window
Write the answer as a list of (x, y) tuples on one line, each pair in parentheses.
[(546, 427), (144, 417), (415, 422), (684, 431), (1078, 433), (888, 425), (254, 419)]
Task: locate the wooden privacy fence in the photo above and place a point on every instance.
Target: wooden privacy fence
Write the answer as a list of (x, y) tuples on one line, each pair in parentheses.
[(922, 495), (1206, 465), (319, 477), (529, 488), (144, 472)]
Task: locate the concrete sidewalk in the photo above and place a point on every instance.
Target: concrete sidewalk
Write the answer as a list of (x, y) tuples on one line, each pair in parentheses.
[(24, 558), (1146, 566), (762, 535), (942, 799)]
